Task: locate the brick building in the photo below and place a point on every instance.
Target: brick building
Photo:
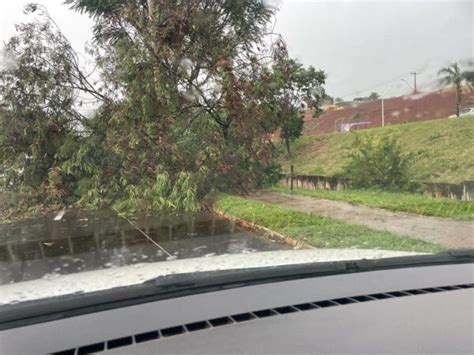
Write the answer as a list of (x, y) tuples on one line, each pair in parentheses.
[(397, 110)]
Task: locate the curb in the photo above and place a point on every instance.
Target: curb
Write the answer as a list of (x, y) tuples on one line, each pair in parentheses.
[(266, 233)]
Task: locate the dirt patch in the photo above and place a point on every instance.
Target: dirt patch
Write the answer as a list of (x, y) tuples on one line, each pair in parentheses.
[(443, 231)]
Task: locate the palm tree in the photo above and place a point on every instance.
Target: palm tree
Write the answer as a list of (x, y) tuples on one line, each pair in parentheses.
[(469, 77), (453, 75)]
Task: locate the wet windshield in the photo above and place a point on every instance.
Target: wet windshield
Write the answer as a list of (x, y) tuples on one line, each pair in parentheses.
[(44, 248), (149, 138)]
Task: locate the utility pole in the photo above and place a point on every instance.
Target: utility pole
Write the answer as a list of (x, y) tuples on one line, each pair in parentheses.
[(414, 81)]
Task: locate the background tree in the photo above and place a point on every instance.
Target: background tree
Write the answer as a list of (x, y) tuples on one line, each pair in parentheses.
[(341, 102), (468, 76), (296, 89), (328, 99), (40, 98), (455, 76), (372, 97)]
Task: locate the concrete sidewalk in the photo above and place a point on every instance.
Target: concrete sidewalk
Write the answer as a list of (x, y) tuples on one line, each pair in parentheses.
[(443, 231)]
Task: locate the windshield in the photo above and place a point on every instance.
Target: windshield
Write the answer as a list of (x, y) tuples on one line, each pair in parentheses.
[(141, 139)]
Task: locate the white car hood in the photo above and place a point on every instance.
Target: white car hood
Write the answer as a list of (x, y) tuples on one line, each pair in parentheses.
[(90, 281)]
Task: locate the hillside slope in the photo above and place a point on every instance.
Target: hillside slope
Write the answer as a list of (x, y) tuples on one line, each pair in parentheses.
[(444, 148)]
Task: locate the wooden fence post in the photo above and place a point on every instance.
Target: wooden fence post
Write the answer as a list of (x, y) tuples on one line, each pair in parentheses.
[(291, 177)]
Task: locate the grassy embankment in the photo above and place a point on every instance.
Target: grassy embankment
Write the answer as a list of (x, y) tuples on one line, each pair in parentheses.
[(444, 149), (321, 232), (394, 201)]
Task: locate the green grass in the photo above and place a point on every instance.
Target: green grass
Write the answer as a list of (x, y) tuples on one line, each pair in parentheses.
[(321, 232), (394, 201), (444, 149)]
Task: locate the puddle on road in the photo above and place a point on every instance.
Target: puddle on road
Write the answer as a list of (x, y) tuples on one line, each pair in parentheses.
[(84, 241)]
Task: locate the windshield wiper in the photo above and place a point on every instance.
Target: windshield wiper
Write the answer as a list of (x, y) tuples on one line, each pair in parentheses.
[(239, 277)]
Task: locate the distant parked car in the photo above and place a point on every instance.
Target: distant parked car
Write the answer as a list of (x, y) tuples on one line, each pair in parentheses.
[(468, 111)]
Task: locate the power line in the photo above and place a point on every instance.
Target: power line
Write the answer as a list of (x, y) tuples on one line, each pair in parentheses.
[(398, 77), (143, 233)]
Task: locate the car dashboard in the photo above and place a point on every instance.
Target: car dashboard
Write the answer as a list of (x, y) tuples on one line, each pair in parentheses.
[(404, 310)]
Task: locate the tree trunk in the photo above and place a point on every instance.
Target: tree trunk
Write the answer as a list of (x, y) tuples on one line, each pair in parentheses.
[(225, 132), (150, 6), (458, 99), (287, 142)]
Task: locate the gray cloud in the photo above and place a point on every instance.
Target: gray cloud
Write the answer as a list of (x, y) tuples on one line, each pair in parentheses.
[(363, 45)]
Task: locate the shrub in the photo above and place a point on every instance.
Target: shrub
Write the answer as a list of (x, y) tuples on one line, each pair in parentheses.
[(379, 164)]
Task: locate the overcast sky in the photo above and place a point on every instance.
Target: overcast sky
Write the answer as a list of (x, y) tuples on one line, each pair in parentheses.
[(363, 46)]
